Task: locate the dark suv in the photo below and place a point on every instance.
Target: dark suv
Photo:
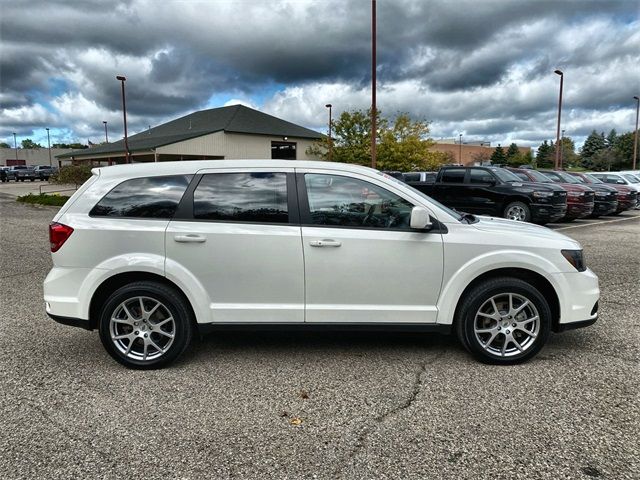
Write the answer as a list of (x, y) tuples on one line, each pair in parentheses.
[(496, 191)]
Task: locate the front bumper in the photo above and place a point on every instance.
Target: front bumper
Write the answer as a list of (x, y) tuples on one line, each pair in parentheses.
[(543, 212), (578, 293), (605, 207), (579, 210), (70, 321)]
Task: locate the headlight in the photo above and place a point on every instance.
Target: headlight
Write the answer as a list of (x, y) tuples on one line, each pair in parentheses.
[(575, 258), (541, 194), (575, 194)]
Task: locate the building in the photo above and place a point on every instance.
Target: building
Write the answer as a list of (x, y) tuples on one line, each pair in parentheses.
[(472, 153), (232, 132), (32, 156)]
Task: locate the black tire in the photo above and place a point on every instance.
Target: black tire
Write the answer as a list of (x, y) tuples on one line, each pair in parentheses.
[(175, 304), (521, 207), (476, 298)]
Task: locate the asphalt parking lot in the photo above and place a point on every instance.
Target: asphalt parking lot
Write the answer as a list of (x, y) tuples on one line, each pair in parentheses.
[(309, 405)]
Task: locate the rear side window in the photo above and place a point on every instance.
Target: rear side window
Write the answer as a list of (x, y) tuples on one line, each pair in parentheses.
[(254, 197), (151, 197), (453, 175)]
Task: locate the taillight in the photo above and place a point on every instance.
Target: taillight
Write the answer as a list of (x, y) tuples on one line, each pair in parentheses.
[(58, 234)]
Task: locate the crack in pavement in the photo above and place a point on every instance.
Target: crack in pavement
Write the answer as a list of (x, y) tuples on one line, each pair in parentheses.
[(361, 441)]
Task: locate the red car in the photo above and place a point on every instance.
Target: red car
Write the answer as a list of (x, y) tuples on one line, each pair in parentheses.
[(580, 198), (627, 197)]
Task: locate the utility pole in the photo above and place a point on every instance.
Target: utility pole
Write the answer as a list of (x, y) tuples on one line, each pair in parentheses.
[(127, 157), (374, 126), (49, 145), (328, 105), (557, 162), (635, 140), (106, 135)]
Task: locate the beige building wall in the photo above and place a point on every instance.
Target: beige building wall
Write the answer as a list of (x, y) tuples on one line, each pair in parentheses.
[(34, 156), (234, 146)]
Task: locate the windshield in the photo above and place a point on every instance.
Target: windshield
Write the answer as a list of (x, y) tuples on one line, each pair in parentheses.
[(567, 177), (453, 213), (505, 175), (538, 177), (593, 179), (631, 178)]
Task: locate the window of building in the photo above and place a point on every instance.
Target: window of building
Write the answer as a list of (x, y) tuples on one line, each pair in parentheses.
[(150, 197), (283, 150), (242, 197), (342, 201)]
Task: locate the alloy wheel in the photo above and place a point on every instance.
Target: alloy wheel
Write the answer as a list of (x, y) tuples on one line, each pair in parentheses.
[(516, 212), (507, 325)]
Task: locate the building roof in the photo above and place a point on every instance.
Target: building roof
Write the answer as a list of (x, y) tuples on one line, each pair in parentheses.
[(232, 119)]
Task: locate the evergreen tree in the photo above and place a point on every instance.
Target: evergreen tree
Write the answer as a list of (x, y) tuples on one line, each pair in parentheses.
[(594, 143), (512, 151), (498, 156), (544, 156), (612, 138)]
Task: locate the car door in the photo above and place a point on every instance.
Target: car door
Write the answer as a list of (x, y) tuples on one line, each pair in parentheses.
[(237, 235), (450, 188), (363, 264), (481, 195)]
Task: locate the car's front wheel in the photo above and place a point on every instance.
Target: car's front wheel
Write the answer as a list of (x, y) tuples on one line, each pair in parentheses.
[(146, 325), (504, 321), (519, 211)]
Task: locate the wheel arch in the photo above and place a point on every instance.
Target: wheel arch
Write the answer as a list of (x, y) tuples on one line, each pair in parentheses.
[(111, 284), (537, 280), (515, 198)]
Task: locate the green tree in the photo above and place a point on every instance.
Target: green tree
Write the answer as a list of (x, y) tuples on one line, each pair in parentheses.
[(4, 145), (612, 138), (402, 145), (28, 143), (623, 151), (544, 156), (602, 160), (521, 159), (498, 156), (569, 157), (593, 144), (512, 151)]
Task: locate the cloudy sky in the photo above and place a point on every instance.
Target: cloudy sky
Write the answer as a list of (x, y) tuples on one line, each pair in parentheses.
[(483, 68)]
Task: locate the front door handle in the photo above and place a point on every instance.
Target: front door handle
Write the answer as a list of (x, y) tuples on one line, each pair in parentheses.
[(325, 243), (190, 238)]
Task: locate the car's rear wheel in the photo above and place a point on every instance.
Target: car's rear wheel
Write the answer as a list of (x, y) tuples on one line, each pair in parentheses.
[(504, 321), (146, 325), (519, 211)]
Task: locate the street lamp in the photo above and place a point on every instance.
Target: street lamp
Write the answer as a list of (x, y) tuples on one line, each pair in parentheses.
[(15, 146), (561, 148), (49, 144), (635, 140), (328, 105), (460, 153), (106, 136), (123, 79), (559, 72)]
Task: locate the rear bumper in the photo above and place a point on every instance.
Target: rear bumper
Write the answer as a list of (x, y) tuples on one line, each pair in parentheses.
[(563, 327)]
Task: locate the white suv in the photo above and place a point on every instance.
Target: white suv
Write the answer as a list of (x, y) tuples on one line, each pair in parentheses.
[(150, 254)]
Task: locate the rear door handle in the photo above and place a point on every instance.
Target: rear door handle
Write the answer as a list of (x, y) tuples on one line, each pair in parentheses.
[(325, 243), (190, 238)]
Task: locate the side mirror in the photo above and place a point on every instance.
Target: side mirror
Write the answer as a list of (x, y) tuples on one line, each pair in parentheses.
[(420, 219)]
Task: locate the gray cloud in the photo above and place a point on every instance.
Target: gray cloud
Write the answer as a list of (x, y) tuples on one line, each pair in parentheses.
[(486, 64)]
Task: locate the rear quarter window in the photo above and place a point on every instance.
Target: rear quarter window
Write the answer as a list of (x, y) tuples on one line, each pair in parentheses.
[(149, 197)]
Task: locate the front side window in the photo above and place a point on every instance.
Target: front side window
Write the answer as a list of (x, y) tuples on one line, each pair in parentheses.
[(478, 175), (150, 197), (254, 197), (349, 202)]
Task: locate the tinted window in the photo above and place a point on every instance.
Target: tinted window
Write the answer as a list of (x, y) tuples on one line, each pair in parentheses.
[(242, 197), (412, 177), (453, 175), (344, 201), (477, 175), (521, 175), (151, 197), (505, 175)]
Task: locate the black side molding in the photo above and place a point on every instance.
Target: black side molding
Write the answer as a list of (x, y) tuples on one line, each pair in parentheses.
[(204, 328), (563, 327), (72, 322)]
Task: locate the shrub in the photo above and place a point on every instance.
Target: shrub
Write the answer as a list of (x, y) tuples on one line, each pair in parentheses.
[(44, 199), (72, 174)]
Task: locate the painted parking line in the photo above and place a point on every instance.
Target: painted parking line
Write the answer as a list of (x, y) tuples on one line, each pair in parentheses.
[(634, 217)]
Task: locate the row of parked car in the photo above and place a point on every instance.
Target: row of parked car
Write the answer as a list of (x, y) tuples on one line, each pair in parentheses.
[(20, 173), (528, 195)]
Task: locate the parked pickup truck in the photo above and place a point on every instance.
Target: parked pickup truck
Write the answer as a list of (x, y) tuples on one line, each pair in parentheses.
[(497, 192), (26, 174), (43, 172)]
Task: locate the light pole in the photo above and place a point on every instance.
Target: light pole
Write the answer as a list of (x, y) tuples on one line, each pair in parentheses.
[(15, 146), (106, 136), (374, 127), (49, 144), (559, 72), (460, 151), (328, 105), (635, 139), (561, 149), (123, 79)]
